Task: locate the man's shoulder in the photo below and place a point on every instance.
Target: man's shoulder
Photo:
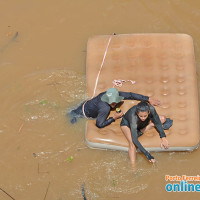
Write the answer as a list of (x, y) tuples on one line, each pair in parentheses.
[(100, 94), (103, 107)]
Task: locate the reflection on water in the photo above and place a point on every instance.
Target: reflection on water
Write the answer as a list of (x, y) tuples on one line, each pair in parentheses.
[(43, 77)]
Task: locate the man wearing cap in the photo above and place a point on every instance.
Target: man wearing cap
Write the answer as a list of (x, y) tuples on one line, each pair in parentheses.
[(99, 107)]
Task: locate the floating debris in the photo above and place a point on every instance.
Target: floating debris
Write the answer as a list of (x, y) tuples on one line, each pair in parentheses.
[(43, 102), (35, 155), (114, 182), (20, 128), (83, 191), (78, 149), (70, 158)]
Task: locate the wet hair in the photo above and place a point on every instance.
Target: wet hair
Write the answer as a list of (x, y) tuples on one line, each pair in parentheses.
[(143, 106)]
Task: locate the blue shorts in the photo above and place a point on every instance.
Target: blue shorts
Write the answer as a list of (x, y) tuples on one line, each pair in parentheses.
[(124, 122)]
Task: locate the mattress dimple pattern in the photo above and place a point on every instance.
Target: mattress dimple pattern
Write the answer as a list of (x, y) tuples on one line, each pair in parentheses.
[(163, 67)]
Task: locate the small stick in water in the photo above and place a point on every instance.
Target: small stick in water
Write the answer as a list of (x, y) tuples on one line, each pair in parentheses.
[(20, 128), (6, 193), (83, 191), (47, 191)]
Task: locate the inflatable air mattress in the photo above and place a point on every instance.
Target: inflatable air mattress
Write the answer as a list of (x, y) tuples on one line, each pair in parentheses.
[(163, 67)]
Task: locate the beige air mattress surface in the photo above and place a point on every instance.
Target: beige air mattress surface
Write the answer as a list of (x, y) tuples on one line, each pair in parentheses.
[(163, 66)]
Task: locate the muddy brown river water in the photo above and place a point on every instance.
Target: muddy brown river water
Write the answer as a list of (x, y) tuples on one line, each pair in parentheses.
[(42, 76)]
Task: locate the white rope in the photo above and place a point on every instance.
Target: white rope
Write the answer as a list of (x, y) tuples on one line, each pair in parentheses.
[(97, 79), (101, 66)]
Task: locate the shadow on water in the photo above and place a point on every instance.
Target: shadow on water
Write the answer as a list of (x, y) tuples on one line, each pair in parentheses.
[(2, 49)]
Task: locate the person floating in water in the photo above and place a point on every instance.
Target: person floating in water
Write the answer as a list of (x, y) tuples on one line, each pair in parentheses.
[(138, 119), (99, 107)]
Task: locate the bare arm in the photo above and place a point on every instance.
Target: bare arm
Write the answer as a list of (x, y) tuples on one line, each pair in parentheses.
[(134, 135)]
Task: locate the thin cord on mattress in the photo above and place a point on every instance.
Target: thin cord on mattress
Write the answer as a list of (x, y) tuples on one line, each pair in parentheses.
[(101, 66), (97, 79)]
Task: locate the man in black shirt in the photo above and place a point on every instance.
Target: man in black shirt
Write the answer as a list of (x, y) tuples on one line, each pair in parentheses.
[(99, 107)]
